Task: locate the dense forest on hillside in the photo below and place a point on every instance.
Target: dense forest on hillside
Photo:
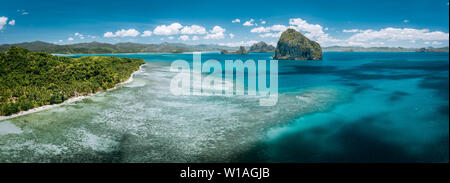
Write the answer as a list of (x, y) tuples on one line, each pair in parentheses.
[(33, 79), (102, 48)]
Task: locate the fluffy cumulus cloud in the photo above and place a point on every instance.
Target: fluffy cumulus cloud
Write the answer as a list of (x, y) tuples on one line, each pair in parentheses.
[(81, 36), (123, 33), (184, 38), (194, 29), (399, 34), (70, 39), (167, 30), (12, 22), (231, 35), (171, 31), (147, 33), (236, 21), (177, 28), (240, 43), (393, 37), (216, 33), (249, 23), (312, 31), (3, 21), (384, 37), (275, 28)]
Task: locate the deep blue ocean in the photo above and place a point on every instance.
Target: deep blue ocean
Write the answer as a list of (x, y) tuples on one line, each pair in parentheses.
[(387, 107)]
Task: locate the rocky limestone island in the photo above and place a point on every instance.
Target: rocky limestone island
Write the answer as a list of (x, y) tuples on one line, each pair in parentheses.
[(241, 51), (293, 45), (262, 47)]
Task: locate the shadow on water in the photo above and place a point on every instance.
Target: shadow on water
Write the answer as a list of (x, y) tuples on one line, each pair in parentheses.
[(343, 141), (369, 138)]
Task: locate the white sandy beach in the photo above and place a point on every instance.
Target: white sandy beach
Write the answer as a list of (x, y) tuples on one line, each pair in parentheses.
[(45, 107)]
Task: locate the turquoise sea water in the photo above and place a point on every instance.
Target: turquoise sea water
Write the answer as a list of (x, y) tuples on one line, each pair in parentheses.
[(350, 107)]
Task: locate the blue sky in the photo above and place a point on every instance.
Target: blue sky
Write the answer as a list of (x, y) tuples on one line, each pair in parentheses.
[(406, 23)]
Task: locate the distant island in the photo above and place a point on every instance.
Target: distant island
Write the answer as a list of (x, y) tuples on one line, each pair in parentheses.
[(33, 79), (293, 45), (241, 51), (262, 47)]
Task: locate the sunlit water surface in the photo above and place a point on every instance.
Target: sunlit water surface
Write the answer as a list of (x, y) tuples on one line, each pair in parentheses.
[(350, 107)]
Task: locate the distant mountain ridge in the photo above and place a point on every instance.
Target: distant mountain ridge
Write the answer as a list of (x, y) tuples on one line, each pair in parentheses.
[(104, 48), (127, 47)]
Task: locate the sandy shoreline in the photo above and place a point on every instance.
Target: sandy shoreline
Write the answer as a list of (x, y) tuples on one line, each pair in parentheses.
[(45, 107)]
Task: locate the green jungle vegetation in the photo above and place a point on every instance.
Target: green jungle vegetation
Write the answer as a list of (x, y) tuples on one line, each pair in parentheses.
[(33, 79)]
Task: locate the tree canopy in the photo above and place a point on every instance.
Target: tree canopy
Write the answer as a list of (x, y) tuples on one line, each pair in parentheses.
[(33, 79)]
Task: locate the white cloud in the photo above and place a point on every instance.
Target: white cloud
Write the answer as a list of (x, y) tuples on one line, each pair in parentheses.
[(405, 21), (194, 29), (177, 28), (216, 33), (3, 21), (350, 30), (184, 38), (171, 37), (383, 37), (109, 34), (195, 38), (240, 43), (70, 39), (263, 22), (249, 23), (312, 31), (92, 37), (236, 21), (436, 43), (147, 33), (22, 12), (275, 34), (272, 43), (231, 35), (12, 22), (123, 33), (167, 30), (399, 34), (393, 37), (60, 41), (278, 28), (78, 35)]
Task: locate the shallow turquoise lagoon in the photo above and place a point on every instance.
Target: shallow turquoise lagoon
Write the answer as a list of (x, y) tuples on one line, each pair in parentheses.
[(350, 107)]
